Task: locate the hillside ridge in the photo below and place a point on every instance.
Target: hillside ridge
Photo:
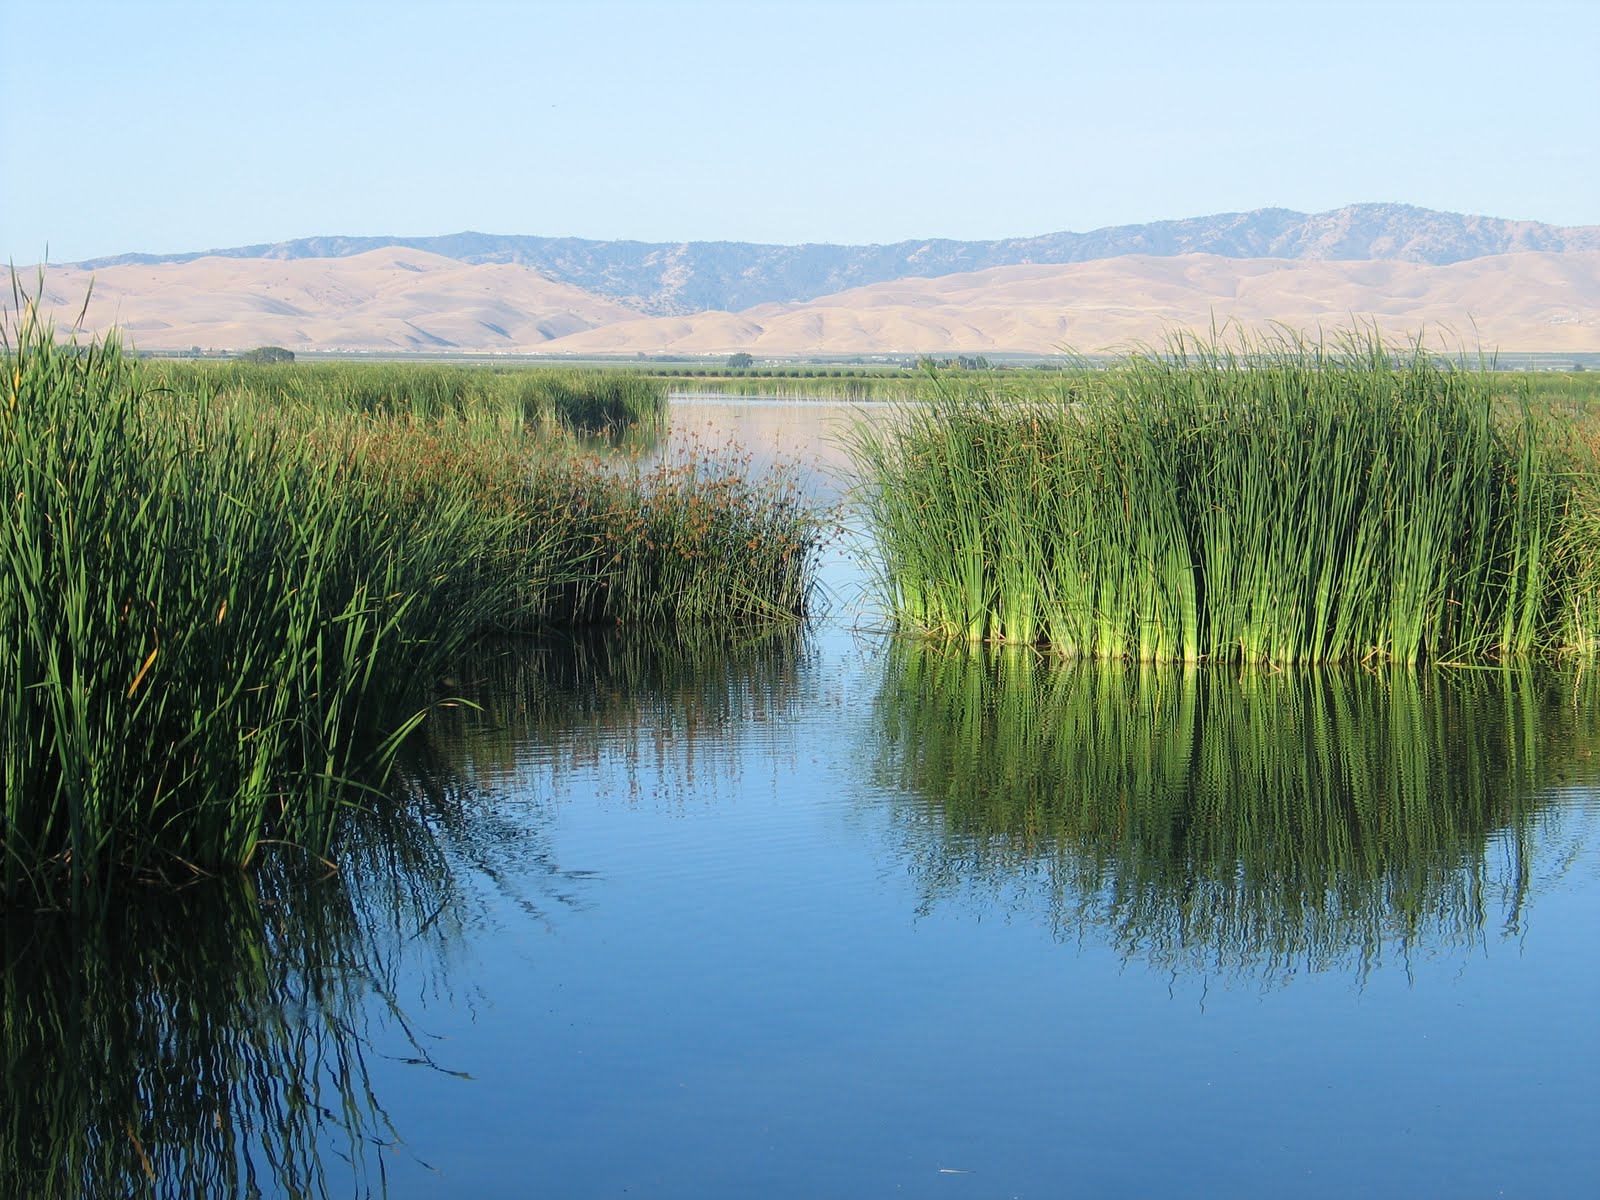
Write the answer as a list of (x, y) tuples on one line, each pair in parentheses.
[(683, 278)]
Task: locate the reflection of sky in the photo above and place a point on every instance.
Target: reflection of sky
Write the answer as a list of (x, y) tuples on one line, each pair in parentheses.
[(805, 433)]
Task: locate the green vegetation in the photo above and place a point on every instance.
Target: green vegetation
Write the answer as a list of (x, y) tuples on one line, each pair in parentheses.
[(797, 385), (1263, 822), (223, 611), (267, 354), (1282, 503), (816, 381), (508, 400)]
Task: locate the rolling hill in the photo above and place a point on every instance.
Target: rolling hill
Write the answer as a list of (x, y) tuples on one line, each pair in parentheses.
[(1462, 280), (660, 278)]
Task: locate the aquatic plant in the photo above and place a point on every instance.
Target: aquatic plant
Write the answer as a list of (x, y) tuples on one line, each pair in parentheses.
[(1275, 502), (220, 619), (505, 399), (689, 541)]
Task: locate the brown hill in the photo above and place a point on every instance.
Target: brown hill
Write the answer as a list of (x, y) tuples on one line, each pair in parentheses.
[(1523, 302), (391, 299), (682, 278), (397, 299)]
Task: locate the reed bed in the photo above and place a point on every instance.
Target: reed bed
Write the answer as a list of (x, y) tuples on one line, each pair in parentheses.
[(506, 400), (793, 386), (220, 621), (1277, 501), (693, 541), (1261, 822)]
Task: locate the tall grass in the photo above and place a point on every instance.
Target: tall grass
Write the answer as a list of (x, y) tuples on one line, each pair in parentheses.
[(793, 386), (218, 624), (692, 541), (1263, 821), (539, 399), (1278, 501)]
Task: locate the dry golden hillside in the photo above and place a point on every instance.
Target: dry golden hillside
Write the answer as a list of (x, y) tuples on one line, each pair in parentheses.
[(396, 299)]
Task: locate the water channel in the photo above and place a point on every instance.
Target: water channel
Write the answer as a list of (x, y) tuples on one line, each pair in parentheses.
[(824, 914)]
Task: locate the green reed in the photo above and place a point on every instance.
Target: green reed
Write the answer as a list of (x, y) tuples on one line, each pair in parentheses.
[(690, 541), (221, 617), (509, 399), (1206, 819), (1278, 502), (791, 385)]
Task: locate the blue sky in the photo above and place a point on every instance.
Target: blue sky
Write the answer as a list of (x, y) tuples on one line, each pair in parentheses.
[(171, 126)]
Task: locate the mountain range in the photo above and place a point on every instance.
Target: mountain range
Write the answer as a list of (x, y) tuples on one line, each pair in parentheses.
[(1519, 285)]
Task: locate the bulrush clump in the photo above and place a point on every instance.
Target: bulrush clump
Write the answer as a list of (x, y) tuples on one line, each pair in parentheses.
[(1277, 501)]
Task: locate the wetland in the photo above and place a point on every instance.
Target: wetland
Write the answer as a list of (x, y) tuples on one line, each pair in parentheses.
[(808, 908)]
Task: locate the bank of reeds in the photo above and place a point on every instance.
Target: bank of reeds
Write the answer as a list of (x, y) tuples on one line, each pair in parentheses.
[(690, 541), (215, 628), (506, 400), (794, 386), (1277, 501)]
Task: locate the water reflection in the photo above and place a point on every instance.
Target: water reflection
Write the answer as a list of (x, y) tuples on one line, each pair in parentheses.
[(1262, 823), (799, 438), (217, 1041), (570, 701)]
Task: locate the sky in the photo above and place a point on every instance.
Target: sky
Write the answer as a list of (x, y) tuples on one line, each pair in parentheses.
[(162, 127)]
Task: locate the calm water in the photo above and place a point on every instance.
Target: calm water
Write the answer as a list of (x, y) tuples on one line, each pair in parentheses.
[(822, 915)]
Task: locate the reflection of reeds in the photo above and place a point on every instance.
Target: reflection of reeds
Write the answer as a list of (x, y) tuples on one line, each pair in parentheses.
[(216, 1042), (565, 697), (1201, 817)]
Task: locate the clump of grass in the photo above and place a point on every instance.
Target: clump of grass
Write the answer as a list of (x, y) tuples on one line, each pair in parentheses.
[(692, 541), (217, 623), (1279, 501)]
